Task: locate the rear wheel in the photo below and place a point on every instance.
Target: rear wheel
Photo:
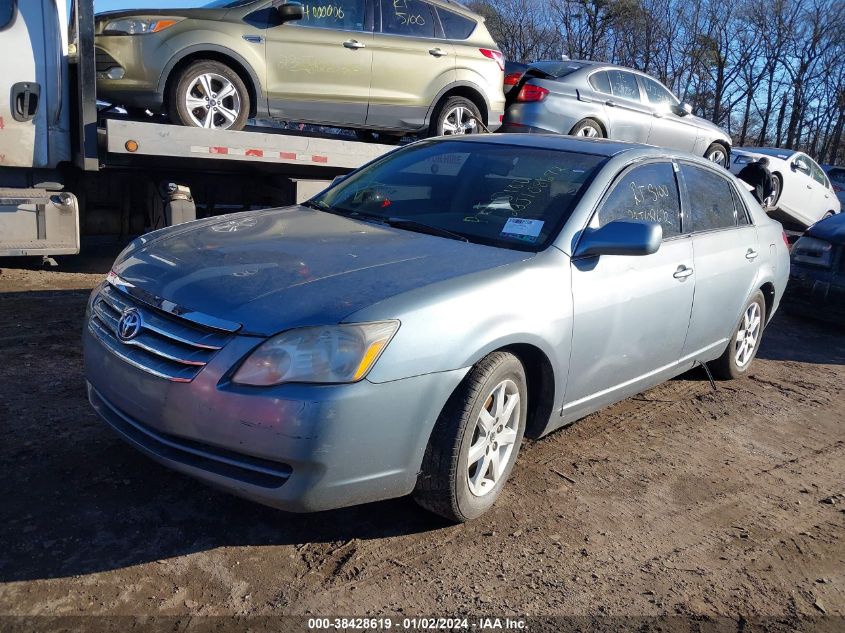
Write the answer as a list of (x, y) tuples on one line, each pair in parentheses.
[(589, 128), (771, 201), (718, 154), (456, 116), (476, 440), (209, 94), (745, 341)]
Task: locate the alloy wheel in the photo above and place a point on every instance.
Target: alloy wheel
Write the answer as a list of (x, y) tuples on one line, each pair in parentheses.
[(771, 200), (493, 438), (719, 157), (588, 131), (213, 102), (746, 338), (459, 120)]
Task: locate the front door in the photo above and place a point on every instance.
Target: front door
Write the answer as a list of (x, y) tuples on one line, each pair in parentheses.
[(631, 313), (726, 255), (412, 63), (667, 128), (318, 68)]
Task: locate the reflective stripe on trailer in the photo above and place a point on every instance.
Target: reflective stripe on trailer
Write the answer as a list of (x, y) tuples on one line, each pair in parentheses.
[(257, 153)]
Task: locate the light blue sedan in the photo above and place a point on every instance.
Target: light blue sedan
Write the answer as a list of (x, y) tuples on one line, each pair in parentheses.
[(402, 331)]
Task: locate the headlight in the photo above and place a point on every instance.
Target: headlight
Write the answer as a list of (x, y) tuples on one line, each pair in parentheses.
[(326, 354), (137, 26), (811, 250)]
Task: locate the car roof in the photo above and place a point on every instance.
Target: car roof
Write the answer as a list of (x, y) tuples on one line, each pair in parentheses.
[(561, 142), (831, 229)]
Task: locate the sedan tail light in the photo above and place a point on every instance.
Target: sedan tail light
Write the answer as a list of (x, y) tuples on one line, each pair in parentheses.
[(530, 92), (811, 250), (785, 238), (494, 55), (511, 79)]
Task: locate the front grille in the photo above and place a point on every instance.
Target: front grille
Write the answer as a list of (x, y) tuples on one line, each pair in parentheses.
[(104, 61), (167, 347)]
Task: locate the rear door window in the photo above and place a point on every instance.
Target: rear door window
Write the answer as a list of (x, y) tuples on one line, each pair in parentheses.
[(711, 199), (455, 27), (600, 82), (7, 12), (647, 192), (343, 15), (412, 18), (624, 85)]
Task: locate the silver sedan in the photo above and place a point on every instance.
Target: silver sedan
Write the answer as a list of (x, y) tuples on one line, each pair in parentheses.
[(586, 98), (402, 331)]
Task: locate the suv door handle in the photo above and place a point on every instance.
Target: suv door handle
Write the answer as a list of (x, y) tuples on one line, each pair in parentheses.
[(354, 44), (25, 100), (751, 255), (682, 273), (437, 52), (610, 102)]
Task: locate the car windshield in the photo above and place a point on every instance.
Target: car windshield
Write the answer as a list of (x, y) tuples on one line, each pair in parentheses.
[(508, 196)]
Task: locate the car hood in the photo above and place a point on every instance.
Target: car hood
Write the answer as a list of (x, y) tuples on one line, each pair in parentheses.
[(831, 229), (282, 268), (194, 13)]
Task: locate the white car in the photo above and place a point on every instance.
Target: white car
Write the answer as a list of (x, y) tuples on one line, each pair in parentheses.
[(802, 190)]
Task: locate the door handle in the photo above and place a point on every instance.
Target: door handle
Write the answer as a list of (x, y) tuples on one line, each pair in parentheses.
[(354, 44), (437, 52), (809, 186), (610, 102), (751, 255), (25, 99), (682, 273)]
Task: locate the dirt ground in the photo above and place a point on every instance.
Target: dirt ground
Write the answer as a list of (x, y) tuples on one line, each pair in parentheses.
[(681, 501)]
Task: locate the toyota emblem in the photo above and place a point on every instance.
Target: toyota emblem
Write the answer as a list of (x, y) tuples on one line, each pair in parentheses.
[(129, 325)]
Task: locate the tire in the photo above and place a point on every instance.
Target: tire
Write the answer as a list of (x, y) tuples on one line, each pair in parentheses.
[(456, 116), (231, 112), (771, 202), (728, 365), (589, 128), (718, 154), (827, 215), (444, 485)]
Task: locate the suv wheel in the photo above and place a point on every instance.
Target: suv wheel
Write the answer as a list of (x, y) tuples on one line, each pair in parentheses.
[(456, 115), (211, 95)]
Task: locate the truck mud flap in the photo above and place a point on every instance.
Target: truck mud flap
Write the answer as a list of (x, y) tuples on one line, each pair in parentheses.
[(38, 222)]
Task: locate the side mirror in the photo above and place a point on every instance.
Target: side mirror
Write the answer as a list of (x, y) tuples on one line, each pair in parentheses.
[(682, 110), (793, 166), (621, 237), (289, 11)]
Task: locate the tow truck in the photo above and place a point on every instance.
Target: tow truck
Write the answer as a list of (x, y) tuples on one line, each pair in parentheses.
[(70, 167)]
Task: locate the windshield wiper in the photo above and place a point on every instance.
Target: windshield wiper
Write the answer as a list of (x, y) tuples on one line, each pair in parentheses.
[(313, 204), (419, 227)]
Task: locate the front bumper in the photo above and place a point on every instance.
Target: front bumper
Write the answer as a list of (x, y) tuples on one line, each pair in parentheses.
[(296, 447)]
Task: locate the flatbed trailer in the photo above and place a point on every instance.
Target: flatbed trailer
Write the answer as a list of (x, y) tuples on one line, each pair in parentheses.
[(70, 169)]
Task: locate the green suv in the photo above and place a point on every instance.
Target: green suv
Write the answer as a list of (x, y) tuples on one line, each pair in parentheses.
[(394, 66)]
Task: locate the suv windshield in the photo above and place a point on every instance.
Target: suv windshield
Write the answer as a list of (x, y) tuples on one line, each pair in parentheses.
[(501, 195)]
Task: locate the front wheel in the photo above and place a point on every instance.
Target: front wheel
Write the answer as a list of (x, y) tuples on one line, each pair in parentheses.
[(456, 116), (771, 201), (475, 441), (745, 341), (211, 95), (718, 154)]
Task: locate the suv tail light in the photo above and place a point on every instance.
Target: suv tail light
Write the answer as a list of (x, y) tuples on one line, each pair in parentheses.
[(529, 92), (494, 55), (511, 79)]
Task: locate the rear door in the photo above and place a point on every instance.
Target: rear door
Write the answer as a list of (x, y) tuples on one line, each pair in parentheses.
[(726, 256), (826, 196), (318, 68), (629, 115), (412, 63), (631, 312)]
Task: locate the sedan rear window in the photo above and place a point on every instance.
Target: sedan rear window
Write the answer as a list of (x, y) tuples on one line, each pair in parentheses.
[(503, 195)]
